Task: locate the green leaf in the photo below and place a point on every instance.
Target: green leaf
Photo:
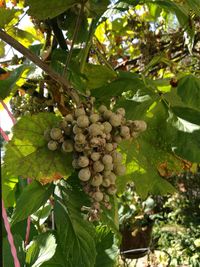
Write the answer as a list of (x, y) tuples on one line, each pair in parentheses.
[(135, 110), (25, 205), (74, 233), (180, 12), (107, 251), (97, 75), (187, 114), (27, 154), (41, 215), (6, 15), (40, 250), (194, 5), (97, 7), (7, 255), (117, 87), (189, 91), (2, 49), (8, 189), (7, 84), (187, 145), (39, 10)]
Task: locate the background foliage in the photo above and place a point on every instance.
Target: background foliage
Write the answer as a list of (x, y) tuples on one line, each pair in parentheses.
[(142, 55)]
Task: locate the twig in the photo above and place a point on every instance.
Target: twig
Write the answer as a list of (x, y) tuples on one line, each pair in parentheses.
[(35, 59)]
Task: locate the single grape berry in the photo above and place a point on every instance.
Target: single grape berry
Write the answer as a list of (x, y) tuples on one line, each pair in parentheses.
[(67, 146), (78, 112), (102, 109), (94, 129), (83, 161), (115, 120), (112, 190), (98, 166), (83, 121), (94, 118), (69, 118), (107, 127), (119, 170), (76, 129), (121, 111), (95, 156), (107, 159), (124, 131), (138, 126), (56, 133), (84, 174), (107, 114), (98, 196), (97, 180), (117, 157), (109, 147), (106, 182), (79, 139), (52, 145)]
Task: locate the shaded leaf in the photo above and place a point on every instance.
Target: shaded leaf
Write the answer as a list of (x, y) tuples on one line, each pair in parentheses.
[(189, 91), (27, 154), (187, 145), (40, 250), (97, 75), (107, 251), (194, 5), (6, 252), (75, 235), (39, 9), (117, 87), (7, 84), (32, 198), (187, 114), (6, 15)]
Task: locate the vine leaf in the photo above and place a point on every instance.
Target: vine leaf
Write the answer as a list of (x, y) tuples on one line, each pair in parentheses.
[(27, 154), (41, 249), (6, 15), (74, 233), (39, 10), (25, 205), (6, 252), (106, 248), (189, 91), (7, 84)]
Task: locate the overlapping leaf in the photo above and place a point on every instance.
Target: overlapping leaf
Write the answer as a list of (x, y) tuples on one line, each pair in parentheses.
[(27, 154), (32, 198), (48, 9), (41, 249), (74, 234)]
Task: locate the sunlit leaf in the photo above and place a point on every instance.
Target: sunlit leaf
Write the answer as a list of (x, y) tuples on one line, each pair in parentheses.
[(25, 205), (27, 154), (75, 235), (40, 250)]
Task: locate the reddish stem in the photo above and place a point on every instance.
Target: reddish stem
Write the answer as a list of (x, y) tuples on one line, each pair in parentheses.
[(10, 237), (4, 135), (8, 111), (28, 227)]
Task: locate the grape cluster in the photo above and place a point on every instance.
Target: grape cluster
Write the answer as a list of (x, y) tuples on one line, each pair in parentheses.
[(27, 104), (93, 138)]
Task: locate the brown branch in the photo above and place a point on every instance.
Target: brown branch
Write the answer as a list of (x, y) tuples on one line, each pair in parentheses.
[(35, 59)]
